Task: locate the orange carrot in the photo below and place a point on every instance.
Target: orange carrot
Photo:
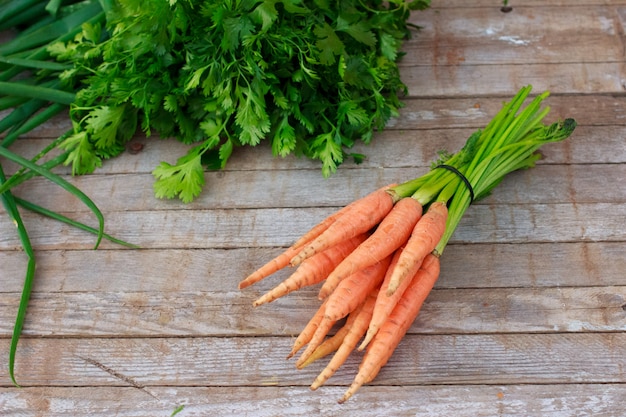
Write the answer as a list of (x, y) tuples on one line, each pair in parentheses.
[(309, 330), (269, 268), (362, 216), (282, 260), (324, 224), (384, 303), (353, 290), (423, 240), (392, 232), (350, 340), (394, 329), (313, 270), (333, 343), (317, 339)]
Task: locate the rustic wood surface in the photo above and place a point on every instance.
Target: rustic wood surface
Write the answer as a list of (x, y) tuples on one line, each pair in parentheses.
[(527, 319)]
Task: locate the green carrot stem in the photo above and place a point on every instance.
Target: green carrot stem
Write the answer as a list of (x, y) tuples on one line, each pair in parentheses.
[(509, 142)]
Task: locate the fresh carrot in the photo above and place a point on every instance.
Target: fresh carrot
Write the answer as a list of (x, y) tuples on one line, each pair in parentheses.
[(353, 290), (275, 265), (350, 340), (361, 217), (282, 260), (312, 270), (384, 303), (328, 346), (309, 330), (392, 232), (394, 329), (319, 228), (318, 337), (425, 237)]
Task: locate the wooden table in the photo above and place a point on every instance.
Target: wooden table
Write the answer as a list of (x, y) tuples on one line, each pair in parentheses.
[(527, 319)]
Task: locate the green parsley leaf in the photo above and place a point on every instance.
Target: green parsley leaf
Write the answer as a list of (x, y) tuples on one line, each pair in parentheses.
[(327, 148), (184, 180), (284, 140), (312, 77), (81, 155), (359, 30), (328, 43), (102, 123)]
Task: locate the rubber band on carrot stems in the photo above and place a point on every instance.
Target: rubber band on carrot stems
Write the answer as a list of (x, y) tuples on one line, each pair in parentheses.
[(461, 176)]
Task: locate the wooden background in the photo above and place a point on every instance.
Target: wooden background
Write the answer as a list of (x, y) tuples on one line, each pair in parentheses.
[(527, 319)]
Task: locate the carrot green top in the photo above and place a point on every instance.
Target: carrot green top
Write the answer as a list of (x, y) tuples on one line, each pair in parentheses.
[(508, 143)]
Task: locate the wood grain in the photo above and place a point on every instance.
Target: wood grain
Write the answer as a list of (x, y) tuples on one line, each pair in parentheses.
[(528, 265), (232, 228), (549, 400), (527, 319), (420, 359), (462, 36), (124, 192), (229, 312)]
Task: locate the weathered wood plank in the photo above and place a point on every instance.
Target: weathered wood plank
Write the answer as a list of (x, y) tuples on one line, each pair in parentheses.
[(402, 148), (546, 184), (506, 79), (204, 270), (476, 112), (422, 113), (229, 312), (550, 400), (420, 359), (472, 35), (528, 315), (515, 223), (537, 4)]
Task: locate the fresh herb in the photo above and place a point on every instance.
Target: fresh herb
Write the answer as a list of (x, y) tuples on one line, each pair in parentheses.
[(311, 77)]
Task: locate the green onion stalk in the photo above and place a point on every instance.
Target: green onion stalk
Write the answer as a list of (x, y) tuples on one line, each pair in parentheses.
[(31, 93)]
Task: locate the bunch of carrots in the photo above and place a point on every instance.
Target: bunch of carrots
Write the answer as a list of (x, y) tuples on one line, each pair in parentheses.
[(378, 258)]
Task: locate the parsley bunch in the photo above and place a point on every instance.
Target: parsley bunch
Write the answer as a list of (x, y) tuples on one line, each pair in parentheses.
[(309, 76)]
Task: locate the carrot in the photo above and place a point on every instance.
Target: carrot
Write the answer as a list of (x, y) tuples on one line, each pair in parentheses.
[(317, 339), (269, 268), (313, 270), (319, 228), (425, 237), (385, 304), (362, 216), (394, 329), (282, 260), (350, 340), (327, 347), (309, 330), (333, 343), (392, 232), (353, 290)]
